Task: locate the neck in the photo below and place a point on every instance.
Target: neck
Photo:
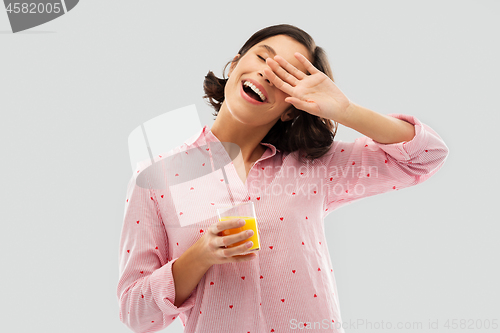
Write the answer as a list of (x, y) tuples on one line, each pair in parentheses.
[(228, 129)]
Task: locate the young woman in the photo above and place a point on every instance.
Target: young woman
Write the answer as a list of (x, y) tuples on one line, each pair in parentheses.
[(281, 106)]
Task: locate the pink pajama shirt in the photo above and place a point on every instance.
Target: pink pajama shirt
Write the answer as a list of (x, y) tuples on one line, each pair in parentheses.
[(291, 283)]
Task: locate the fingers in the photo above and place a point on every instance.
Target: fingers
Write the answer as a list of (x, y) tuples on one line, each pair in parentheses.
[(222, 246), (214, 229), (278, 83), (307, 64), (232, 251), (218, 228), (297, 74), (290, 75), (223, 225), (235, 238)]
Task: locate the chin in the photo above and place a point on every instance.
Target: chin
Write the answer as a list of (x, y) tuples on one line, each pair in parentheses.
[(244, 116)]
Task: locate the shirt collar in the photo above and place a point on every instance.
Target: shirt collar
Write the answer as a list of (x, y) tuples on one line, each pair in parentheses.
[(205, 134)]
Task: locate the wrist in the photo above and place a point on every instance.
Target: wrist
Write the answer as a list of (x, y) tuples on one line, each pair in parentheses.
[(349, 114)]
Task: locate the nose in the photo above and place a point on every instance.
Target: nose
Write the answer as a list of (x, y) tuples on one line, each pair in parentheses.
[(265, 78)]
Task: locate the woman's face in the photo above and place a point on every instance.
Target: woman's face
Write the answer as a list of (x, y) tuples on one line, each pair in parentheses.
[(251, 67)]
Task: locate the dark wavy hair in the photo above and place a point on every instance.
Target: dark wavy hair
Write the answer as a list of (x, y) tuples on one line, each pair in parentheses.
[(310, 135)]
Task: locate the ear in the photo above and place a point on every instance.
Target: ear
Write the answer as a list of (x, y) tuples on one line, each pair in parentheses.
[(289, 114), (233, 64)]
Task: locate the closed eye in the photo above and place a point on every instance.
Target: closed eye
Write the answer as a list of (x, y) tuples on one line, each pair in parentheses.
[(261, 57)]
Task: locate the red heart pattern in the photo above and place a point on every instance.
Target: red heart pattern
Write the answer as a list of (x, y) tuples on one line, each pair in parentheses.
[(263, 205)]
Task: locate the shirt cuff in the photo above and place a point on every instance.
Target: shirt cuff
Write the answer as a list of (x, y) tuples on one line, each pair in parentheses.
[(163, 287), (407, 150)]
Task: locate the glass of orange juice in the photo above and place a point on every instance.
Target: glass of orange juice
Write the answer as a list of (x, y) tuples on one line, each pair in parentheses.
[(244, 211)]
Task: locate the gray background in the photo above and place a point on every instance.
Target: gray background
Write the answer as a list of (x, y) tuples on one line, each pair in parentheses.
[(73, 89)]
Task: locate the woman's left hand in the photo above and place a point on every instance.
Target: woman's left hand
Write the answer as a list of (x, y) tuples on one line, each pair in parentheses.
[(316, 93)]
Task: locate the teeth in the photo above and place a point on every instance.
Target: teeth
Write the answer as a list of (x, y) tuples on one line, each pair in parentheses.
[(255, 89)]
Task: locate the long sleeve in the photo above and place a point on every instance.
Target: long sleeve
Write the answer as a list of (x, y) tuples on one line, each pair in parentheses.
[(146, 291), (365, 167)]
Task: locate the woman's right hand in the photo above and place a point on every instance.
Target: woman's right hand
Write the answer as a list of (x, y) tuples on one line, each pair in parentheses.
[(212, 249)]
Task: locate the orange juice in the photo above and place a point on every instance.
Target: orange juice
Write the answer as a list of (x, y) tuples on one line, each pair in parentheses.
[(250, 223)]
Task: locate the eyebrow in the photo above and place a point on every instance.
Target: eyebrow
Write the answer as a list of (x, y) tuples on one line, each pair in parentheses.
[(268, 49)]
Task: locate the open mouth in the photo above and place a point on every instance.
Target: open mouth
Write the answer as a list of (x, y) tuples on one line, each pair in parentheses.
[(252, 94)]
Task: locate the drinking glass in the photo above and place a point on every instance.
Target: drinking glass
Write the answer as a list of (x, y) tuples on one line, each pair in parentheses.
[(246, 212)]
